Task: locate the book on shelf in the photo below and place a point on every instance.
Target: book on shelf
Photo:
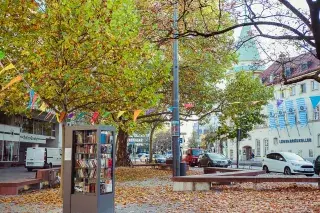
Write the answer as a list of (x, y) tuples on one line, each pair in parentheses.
[(85, 163), (87, 149)]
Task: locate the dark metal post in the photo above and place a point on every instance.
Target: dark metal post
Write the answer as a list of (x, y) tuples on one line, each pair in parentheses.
[(238, 140), (175, 111)]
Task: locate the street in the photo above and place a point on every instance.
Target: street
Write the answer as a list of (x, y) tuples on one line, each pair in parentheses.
[(13, 173)]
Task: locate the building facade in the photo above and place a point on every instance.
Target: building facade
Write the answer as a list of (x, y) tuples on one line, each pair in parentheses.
[(18, 132), (302, 140)]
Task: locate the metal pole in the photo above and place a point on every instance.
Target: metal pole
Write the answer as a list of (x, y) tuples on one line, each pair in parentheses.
[(238, 140), (175, 112)]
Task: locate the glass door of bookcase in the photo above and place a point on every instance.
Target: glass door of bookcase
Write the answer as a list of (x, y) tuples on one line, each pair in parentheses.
[(85, 161), (106, 169)]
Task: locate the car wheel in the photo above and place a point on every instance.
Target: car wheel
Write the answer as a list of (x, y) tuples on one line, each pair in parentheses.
[(265, 168), (29, 169), (309, 175), (50, 165), (287, 171), (209, 164)]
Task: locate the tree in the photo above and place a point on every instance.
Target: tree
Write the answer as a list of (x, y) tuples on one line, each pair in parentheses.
[(73, 55), (192, 141), (279, 20), (162, 141), (245, 97)]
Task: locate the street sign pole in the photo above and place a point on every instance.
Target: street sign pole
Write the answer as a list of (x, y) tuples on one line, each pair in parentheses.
[(238, 140), (175, 111)]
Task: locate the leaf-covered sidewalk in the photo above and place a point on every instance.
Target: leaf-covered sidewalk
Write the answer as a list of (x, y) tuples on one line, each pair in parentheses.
[(150, 190)]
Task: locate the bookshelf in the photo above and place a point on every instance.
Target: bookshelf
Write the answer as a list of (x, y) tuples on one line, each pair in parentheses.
[(91, 169)]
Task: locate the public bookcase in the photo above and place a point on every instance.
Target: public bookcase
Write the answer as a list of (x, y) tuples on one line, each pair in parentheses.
[(89, 169)]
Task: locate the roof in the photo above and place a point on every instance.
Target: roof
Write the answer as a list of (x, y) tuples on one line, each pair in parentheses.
[(248, 50), (299, 65), (251, 67)]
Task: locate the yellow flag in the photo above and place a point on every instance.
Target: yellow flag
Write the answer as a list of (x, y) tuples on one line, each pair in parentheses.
[(9, 67), (14, 80), (136, 114), (120, 113), (43, 107), (255, 102)]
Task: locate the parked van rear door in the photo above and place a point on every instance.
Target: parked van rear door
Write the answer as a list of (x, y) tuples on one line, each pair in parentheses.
[(35, 157)]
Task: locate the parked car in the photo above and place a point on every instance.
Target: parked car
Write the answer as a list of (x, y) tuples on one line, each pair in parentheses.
[(169, 155), (140, 154), (144, 158), (317, 166), (42, 157), (191, 158), (159, 158), (213, 160), (288, 163)]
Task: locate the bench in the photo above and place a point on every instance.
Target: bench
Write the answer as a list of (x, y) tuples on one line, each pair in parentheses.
[(12, 187), (203, 182)]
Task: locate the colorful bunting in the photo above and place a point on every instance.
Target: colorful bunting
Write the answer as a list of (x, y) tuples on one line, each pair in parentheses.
[(61, 117), (43, 107), (14, 80), (279, 102), (80, 115), (94, 117), (315, 101), (105, 114), (34, 99), (2, 55), (136, 114), (120, 113), (70, 115), (149, 111), (9, 67), (188, 105), (31, 93)]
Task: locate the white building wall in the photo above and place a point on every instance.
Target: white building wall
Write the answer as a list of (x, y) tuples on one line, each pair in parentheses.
[(308, 150)]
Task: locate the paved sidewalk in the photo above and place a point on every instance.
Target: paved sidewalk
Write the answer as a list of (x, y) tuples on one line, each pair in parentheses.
[(15, 173)]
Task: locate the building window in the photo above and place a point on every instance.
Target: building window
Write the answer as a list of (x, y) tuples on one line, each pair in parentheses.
[(288, 71), (266, 146), (310, 153), (303, 88), (275, 141), (314, 85), (231, 154), (316, 113), (9, 151), (293, 91), (300, 153), (271, 78), (258, 147)]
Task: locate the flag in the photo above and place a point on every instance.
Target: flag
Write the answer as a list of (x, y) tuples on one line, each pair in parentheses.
[(48, 115), (61, 117), (31, 94), (94, 117), (170, 109), (272, 120), (70, 115), (149, 111), (14, 80), (136, 114), (2, 55), (80, 115), (43, 107), (188, 105), (315, 101), (255, 102), (302, 110), (34, 99), (279, 102), (120, 113), (9, 67), (290, 113), (281, 117), (105, 114)]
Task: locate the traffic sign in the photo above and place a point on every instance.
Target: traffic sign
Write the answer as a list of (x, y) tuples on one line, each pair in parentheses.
[(180, 140)]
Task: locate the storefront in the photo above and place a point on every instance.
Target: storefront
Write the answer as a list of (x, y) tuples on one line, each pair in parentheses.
[(18, 133)]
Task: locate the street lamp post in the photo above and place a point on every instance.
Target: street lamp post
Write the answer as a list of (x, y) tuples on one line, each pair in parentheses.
[(175, 112)]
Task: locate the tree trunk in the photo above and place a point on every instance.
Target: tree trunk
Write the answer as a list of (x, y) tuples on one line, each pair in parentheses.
[(122, 142), (221, 146), (153, 128), (63, 154)]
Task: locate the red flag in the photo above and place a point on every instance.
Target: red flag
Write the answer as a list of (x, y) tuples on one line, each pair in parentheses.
[(94, 117)]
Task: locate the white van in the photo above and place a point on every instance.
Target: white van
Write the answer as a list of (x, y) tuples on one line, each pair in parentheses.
[(42, 157)]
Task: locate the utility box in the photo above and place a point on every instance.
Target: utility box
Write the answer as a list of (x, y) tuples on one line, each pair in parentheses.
[(89, 169)]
